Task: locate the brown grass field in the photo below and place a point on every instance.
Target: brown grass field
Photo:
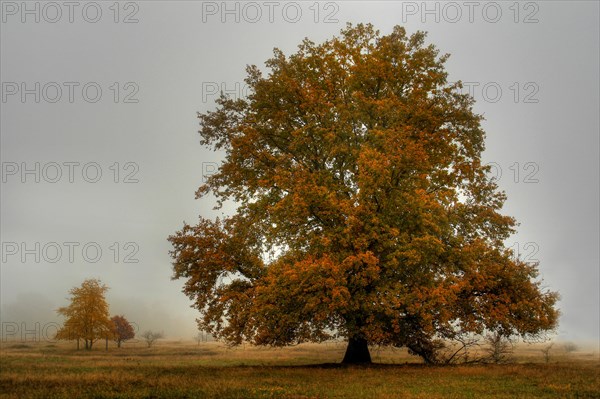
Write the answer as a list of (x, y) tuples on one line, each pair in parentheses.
[(211, 370)]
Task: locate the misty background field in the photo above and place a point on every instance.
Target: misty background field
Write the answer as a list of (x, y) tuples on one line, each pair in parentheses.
[(187, 369)]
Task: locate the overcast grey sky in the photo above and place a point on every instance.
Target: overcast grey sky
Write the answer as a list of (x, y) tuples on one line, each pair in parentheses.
[(99, 103)]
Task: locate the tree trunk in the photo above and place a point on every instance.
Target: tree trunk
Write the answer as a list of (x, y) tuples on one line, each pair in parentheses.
[(118, 343), (357, 352)]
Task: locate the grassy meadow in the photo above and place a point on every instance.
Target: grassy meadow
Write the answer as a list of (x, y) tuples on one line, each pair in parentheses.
[(211, 370)]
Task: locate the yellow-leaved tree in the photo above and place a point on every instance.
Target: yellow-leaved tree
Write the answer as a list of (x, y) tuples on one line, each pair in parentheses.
[(363, 208), (87, 315)]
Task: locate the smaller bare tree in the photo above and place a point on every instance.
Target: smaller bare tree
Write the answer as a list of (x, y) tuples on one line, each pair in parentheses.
[(150, 337), (546, 352), (499, 348), (200, 337), (570, 347)]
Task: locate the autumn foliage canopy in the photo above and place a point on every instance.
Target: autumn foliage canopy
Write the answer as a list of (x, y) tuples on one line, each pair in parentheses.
[(87, 316), (363, 208)]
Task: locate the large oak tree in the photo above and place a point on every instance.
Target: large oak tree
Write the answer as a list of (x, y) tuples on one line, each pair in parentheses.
[(363, 208)]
